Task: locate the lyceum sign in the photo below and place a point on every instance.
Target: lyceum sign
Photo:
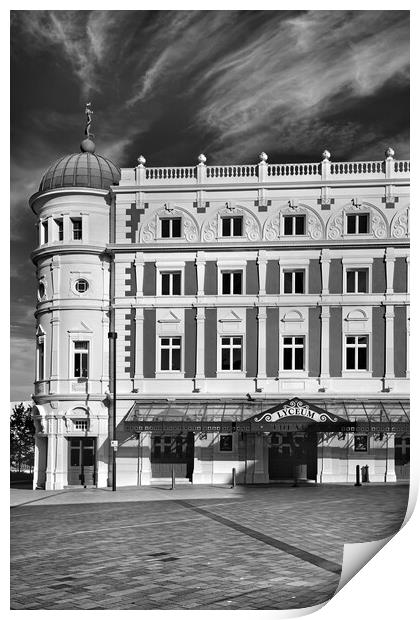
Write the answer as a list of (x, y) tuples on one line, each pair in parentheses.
[(296, 408)]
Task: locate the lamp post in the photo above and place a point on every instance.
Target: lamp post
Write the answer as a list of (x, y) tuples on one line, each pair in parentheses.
[(113, 354)]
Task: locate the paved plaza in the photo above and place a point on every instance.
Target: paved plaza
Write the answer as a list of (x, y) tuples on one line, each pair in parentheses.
[(274, 547)]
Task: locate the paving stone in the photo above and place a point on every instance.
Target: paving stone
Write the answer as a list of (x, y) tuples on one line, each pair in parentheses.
[(245, 548)]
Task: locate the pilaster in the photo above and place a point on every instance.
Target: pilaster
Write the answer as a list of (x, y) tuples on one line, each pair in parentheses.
[(389, 342), (199, 376), (66, 227), (51, 453), (55, 352), (145, 452), (389, 265), (139, 267), (200, 263), (325, 271), (139, 319), (85, 227), (262, 344), (390, 475), (325, 342), (262, 271)]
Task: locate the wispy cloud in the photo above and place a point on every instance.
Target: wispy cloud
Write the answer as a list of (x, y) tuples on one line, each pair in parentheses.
[(83, 42), (295, 71)]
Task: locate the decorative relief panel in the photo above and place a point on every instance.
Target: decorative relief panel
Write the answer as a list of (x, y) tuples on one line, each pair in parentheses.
[(211, 228), (378, 226), (336, 227), (314, 227), (150, 231), (399, 224), (272, 228)]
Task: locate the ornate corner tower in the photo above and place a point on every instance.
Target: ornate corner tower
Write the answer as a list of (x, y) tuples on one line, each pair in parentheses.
[(71, 407)]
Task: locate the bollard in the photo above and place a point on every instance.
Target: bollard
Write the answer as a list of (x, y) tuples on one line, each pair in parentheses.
[(173, 478), (357, 476), (365, 473), (233, 478)]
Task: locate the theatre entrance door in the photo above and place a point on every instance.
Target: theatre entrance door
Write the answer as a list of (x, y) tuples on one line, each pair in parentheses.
[(173, 453), (292, 453), (81, 468)]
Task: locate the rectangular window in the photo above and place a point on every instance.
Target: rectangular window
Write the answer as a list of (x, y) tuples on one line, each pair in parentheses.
[(294, 281), (40, 360), (293, 353), (294, 224), (360, 443), (357, 223), (232, 226), (169, 448), (45, 231), (81, 358), (356, 352), (171, 283), (59, 229), (231, 351), (231, 282), (170, 353), (171, 227), (225, 444), (357, 280), (77, 228)]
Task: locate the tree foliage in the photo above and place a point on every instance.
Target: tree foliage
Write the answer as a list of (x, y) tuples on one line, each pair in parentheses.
[(22, 432)]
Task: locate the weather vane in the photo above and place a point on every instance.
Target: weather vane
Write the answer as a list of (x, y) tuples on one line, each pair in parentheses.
[(89, 114)]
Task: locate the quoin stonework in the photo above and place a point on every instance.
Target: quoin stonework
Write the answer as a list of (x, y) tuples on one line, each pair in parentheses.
[(261, 315)]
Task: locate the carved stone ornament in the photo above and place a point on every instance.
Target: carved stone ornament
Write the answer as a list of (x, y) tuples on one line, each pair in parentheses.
[(314, 227), (148, 232), (150, 229), (272, 228), (335, 226), (378, 226), (209, 232), (190, 230), (399, 226), (251, 228)]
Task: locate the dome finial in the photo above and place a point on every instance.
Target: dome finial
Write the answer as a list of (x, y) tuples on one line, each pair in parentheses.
[(87, 145)]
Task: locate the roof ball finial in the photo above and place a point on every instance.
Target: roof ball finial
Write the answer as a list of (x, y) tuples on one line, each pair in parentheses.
[(263, 156), (389, 153), (202, 159), (326, 155), (141, 160)]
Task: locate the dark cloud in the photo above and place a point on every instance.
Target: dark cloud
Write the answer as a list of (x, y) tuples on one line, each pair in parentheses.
[(172, 84)]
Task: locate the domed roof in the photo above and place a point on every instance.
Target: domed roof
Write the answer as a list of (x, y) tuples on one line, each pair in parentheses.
[(81, 170)]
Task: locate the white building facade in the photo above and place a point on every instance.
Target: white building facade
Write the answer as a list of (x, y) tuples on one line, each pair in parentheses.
[(262, 321)]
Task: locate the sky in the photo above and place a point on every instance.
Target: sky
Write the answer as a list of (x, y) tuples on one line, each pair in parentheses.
[(172, 84)]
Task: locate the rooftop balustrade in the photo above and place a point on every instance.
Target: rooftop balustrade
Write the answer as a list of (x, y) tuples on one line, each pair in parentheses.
[(263, 172)]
